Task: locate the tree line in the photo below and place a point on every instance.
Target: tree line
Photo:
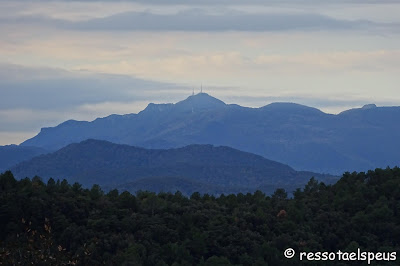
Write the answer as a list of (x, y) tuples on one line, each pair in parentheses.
[(57, 223)]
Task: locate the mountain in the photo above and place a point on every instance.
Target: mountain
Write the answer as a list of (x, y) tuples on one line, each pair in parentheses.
[(191, 168), (300, 136), (10, 155)]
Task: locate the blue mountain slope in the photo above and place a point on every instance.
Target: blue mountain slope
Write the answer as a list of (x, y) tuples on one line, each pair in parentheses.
[(191, 168), (300, 136), (10, 155)]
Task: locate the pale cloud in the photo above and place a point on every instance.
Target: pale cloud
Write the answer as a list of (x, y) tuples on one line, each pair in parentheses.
[(224, 65), (378, 11), (380, 60), (66, 10), (15, 137), (52, 70), (19, 119), (195, 66), (225, 2), (201, 20), (32, 98), (56, 89), (106, 108)]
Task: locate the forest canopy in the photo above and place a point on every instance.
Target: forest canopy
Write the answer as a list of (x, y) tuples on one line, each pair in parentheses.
[(57, 223)]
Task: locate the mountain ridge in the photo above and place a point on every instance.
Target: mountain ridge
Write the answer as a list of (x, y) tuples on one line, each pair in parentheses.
[(300, 136), (112, 165)]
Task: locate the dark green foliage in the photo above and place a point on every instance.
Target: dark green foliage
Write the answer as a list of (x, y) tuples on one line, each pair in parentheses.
[(62, 224)]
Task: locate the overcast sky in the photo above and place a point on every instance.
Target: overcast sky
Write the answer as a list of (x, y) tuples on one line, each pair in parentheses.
[(63, 60)]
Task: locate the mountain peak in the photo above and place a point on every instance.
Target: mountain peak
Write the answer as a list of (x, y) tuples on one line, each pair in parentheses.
[(369, 106), (200, 101), (152, 107), (195, 102), (288, 107), (362, 109)]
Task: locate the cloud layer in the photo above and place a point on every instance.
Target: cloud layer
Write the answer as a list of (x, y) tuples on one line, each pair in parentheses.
[(200, 20), (49, 89), (82, 59)]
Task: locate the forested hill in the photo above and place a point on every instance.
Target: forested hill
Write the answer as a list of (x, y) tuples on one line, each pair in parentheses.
[(303, 137), (62, 224), (202, 168)]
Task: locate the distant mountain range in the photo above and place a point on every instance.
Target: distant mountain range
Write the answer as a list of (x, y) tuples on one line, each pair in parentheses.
[(10, 155), (300, 136), (202, 168)]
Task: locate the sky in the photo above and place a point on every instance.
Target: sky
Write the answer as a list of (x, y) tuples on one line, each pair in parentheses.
[(62, 60)]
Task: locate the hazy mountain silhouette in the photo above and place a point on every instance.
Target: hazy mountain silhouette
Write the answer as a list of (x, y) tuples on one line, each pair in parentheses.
[(300, 136), (10, 155), (195, 167)]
